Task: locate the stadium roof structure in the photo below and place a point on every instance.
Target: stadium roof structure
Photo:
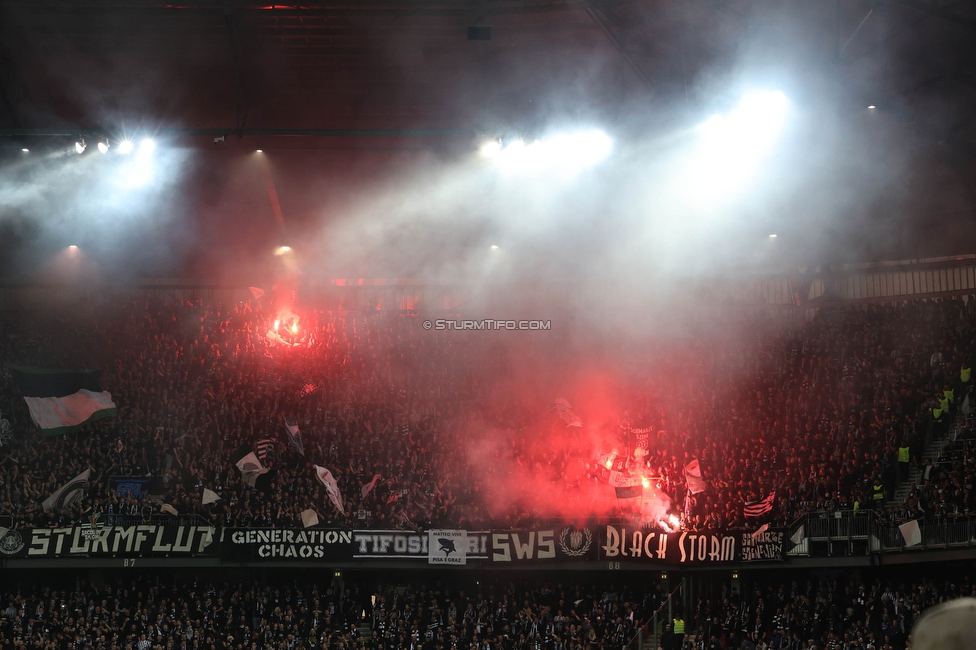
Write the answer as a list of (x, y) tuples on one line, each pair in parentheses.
[(407, 74)]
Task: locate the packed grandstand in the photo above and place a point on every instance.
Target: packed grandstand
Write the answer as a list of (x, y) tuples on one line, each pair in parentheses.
[(423, 429)]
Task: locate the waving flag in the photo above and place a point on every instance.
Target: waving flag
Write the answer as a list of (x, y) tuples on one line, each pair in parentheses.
[(257, 292), (63, 400), (369, 486), (209, 496), (309, 518), (565, 412), (694, 478), (331, 487), (251, 468), (68, 494), (294, 435), (759, 508), (262, 448)]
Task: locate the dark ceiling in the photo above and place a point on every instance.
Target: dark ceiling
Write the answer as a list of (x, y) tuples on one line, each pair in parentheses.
[(406, 66)]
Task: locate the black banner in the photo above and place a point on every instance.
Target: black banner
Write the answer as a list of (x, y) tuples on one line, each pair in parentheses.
[(405, 544), (765, 546), (255, 545), (565, 544), (96, 540), (699, 548)]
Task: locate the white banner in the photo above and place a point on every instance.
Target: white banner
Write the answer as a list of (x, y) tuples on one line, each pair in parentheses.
[(447, 547)]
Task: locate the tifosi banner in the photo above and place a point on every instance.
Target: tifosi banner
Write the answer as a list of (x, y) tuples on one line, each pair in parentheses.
[(259, 544), (564, 544), (431, 546), (97, 540)]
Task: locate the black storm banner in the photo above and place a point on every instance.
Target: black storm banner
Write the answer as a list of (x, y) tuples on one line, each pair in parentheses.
[(709, 547), (259, 544), (96, 540), (564, 544)]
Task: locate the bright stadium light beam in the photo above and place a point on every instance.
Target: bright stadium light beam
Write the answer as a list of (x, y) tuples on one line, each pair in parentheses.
[(103, 146), (564, 153), (125, 147), (80, 146), (147, 146), (730, 148), (491, 149)]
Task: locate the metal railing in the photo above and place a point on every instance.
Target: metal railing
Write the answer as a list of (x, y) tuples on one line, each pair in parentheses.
[(881, 536), (954, 532)]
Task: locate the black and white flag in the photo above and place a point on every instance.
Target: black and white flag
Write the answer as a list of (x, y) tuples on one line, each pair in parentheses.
[(294, 435), (68, 494), (262, 447), (759, 508)]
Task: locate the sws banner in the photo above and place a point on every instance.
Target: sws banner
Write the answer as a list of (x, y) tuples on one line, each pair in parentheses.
[(436, 547), (96, 540), (545, 545), (244, 545)]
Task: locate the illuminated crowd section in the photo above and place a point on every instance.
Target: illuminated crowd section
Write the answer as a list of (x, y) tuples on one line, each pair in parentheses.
[(264, 413)]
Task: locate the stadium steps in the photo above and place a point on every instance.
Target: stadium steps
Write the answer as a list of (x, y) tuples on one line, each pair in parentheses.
[(933, 451), (365, 631)]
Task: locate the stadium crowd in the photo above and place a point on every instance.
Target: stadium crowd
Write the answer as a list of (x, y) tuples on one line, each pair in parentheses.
[(816, 413), (166, 612)]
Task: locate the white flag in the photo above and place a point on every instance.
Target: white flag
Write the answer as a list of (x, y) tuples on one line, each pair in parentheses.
[(209, 496), (170, 510), (965, 406), (366, 489), (68, 494), (565, 411), (251, 469), (325, 478), (694, 478), (799, 535), (759, 531), (309, 518), (294, 435), (911, 532)]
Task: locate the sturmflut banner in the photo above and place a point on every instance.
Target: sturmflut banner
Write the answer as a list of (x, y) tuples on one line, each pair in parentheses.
[(96, 540)]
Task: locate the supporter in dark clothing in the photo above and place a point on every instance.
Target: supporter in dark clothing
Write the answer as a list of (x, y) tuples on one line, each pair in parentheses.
[(814, 413)]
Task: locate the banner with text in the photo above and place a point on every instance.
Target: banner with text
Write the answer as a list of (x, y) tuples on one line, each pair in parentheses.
[(97, 540), (258, 544), (564, 544), (405, 544), (690, 548), (764, 545)]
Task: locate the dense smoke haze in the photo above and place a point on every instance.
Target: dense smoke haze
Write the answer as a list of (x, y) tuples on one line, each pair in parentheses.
[(835, 181)]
